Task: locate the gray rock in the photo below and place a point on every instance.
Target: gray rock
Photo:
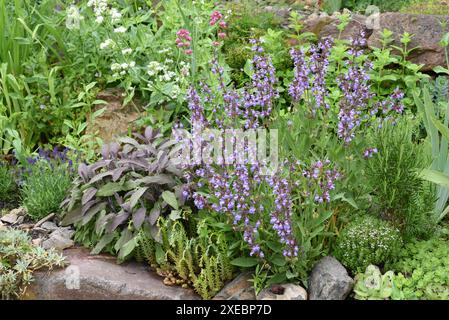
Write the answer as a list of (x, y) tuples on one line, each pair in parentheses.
[(10, 218), (39, 233), (266, 294), (66, 232), (288, 291), (238, 289), (294, 292), (59, 239), (21, 211), (329, 280), (101, 278), (50, 226), (326, 26), (36, 242), (57, 242), (15, 216)]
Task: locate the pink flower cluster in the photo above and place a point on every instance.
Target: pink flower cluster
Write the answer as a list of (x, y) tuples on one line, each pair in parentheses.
[(183, 40), (217, 17)]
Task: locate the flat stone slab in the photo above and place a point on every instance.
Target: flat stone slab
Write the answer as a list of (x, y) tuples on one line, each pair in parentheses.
[(99, 277)]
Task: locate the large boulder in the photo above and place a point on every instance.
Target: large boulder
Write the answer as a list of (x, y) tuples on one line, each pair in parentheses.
[(426, 30), (329, 280), (427, 33), (99, 277), (326, 26)]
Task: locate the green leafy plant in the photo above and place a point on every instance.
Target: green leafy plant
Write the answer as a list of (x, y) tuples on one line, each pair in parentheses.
[(199, 260), (422, 267), (7, 183), (399, 193), (391, 70), (132, 185), (331, 6), (44, 188), (436, 120), (436, 7), (384, 6), (19, 258), (365, 241), (372, 285)]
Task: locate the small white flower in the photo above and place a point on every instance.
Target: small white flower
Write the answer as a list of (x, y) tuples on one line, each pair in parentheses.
[(185, 71), (106, 44), (73, 18), (115, 15), (132, 64), (175, 92), (154, 67), (120, 29), (124, 65), (165, 50), (122, 72), (99, 19), (167, 76), (115, 66), (127, 51)]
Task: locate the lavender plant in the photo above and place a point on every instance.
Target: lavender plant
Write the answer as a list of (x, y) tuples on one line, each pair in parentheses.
[(45, 182)]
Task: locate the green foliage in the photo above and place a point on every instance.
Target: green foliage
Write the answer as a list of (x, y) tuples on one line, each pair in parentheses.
[(131, 186), (7, 183), (392, 70), (372, 285), (44, 188), (399, 193), (30, 48), (435, 118), (247, 20), (19, 259), (331, 6), (422, 267), (426, 7), (367, 240), (384, 6), (200, 260)]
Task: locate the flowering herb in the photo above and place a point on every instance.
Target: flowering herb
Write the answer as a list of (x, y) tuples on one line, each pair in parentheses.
[(233, 187), (356, 105), (309, 75), (321, 179), (183, 40)]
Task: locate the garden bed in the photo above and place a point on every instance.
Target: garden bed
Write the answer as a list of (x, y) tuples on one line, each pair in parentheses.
[(235, 150)]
